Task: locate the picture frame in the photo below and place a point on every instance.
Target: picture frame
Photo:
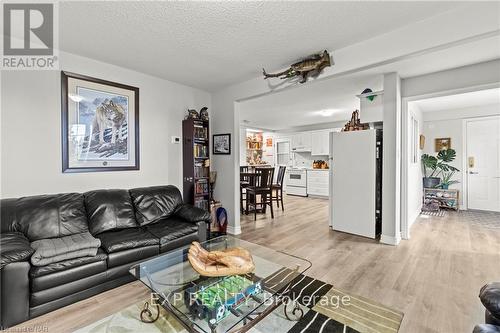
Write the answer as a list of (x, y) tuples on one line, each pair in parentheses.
[(442, 144), (99, 125), (221, 144)]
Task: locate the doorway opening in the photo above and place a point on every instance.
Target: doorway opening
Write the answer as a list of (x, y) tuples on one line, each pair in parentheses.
[(291, 130), (451, 154)]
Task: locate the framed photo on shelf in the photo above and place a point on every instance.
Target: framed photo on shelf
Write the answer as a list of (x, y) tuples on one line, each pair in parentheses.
[(100, 125), (222, 144)]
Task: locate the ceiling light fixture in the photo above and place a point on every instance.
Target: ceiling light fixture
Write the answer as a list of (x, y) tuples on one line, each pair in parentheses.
[(327, 112)]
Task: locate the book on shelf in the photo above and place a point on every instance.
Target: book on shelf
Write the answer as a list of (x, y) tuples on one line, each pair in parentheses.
[(200, 150), (201, 171), (200, 133), (201, 187)]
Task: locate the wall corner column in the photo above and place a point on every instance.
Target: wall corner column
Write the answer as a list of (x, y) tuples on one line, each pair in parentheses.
[(391, 174)]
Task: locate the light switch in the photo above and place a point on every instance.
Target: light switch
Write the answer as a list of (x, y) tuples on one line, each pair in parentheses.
[(176, 139)]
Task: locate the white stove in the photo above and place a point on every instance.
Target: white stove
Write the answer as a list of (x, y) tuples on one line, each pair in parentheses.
[(296, 182)]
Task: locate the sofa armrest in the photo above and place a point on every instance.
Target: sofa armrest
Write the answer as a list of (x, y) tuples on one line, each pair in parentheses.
[(490, 297), (14, 247), (14, 294), (192, 214)]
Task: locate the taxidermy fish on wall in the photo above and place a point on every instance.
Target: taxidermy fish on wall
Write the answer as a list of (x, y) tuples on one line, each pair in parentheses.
[(312, 65)]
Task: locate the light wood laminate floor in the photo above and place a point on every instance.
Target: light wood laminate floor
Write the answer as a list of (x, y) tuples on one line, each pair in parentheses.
[(434, 277)]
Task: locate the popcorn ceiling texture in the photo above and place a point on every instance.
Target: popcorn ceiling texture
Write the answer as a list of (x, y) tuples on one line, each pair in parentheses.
[(210, 45)]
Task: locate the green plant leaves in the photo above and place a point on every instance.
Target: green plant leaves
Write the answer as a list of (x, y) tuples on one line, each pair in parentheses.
[(447, 155)]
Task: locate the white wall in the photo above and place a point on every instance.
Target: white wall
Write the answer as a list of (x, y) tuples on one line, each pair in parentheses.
[(31, 130), (415, 186), (448, 124)]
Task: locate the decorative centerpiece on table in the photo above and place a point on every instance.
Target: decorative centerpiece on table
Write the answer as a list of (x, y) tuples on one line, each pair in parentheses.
[(233, 261)]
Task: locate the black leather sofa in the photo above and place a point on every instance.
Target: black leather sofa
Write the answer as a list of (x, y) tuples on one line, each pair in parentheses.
[(132, 225), (490, 297)]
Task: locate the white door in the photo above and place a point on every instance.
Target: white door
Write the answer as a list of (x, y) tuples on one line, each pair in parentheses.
[(483, 164)]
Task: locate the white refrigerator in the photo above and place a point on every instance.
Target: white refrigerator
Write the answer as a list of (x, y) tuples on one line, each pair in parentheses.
[(356, 182)]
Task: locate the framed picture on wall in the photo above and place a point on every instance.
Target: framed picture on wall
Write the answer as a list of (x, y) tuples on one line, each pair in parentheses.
[(100, 125), (442, 144), (222, 144)]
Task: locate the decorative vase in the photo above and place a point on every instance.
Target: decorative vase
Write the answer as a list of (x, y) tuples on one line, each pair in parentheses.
[(431, 182)]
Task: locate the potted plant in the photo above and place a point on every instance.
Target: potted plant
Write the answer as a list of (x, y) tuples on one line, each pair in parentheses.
[(429, 165), (447, 175), (439, 165)]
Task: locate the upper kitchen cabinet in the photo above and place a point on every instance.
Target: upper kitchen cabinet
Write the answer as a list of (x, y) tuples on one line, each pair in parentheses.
[(319, 143), (301, 142)]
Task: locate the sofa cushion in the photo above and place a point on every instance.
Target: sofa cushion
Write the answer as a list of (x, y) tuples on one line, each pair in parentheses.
[(130, 256), (68, 275), (46, 216), (62, 290), (109, 210), (14, 247), (119, 240), (171, 229), (155, 203), (37, 271), (490, 297)]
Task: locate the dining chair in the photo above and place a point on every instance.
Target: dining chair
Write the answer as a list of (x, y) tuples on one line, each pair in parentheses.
[(244, 183), (262, 186), (277, 187)]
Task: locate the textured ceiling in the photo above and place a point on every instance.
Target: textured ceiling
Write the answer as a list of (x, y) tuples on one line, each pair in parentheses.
[(214, 44), (458, 101), (323, 102)]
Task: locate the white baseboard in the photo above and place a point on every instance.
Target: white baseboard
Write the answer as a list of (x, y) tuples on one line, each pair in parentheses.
[(390, 240), (233, 230)]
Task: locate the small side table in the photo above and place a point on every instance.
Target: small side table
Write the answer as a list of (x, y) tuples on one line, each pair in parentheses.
[(446, 198)]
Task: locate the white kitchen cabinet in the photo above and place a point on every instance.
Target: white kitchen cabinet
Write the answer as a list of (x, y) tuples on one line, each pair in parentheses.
[(301, 141), (318, 182), (320, 143)]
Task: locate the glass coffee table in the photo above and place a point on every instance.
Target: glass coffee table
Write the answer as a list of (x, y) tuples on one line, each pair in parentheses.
[(221, 304)]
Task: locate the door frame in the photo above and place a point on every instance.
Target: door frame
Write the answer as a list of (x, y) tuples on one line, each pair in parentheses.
[(465, 179), (405, 232)]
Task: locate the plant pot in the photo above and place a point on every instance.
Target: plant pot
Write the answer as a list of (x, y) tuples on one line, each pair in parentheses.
[(444, 186), (431, 182)]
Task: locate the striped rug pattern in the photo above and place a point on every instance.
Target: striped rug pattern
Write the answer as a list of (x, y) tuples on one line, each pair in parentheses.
[(361, 314), (328, 313)]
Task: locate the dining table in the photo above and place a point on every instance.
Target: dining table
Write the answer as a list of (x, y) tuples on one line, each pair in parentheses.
[(250, 178)]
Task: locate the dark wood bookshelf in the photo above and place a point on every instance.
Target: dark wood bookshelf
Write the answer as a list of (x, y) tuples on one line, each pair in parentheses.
[(196, 162)]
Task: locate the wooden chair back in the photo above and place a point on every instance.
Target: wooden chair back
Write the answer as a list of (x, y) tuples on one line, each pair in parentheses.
[(281, 175), (244, 178), (264, 178)]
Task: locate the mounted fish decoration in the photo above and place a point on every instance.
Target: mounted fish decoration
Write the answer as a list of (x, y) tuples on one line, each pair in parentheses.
[(313, 64)]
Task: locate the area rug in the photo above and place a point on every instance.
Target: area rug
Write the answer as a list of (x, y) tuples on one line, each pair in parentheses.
[(437, 213), (319, 301)]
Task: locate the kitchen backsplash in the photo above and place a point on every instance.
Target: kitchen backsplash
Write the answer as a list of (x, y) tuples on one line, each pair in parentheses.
[(305, 159)]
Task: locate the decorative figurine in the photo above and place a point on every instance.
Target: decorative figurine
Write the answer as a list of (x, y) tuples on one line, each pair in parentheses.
[(355, 123), (192, 114), (204, 113), (313, 64)]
